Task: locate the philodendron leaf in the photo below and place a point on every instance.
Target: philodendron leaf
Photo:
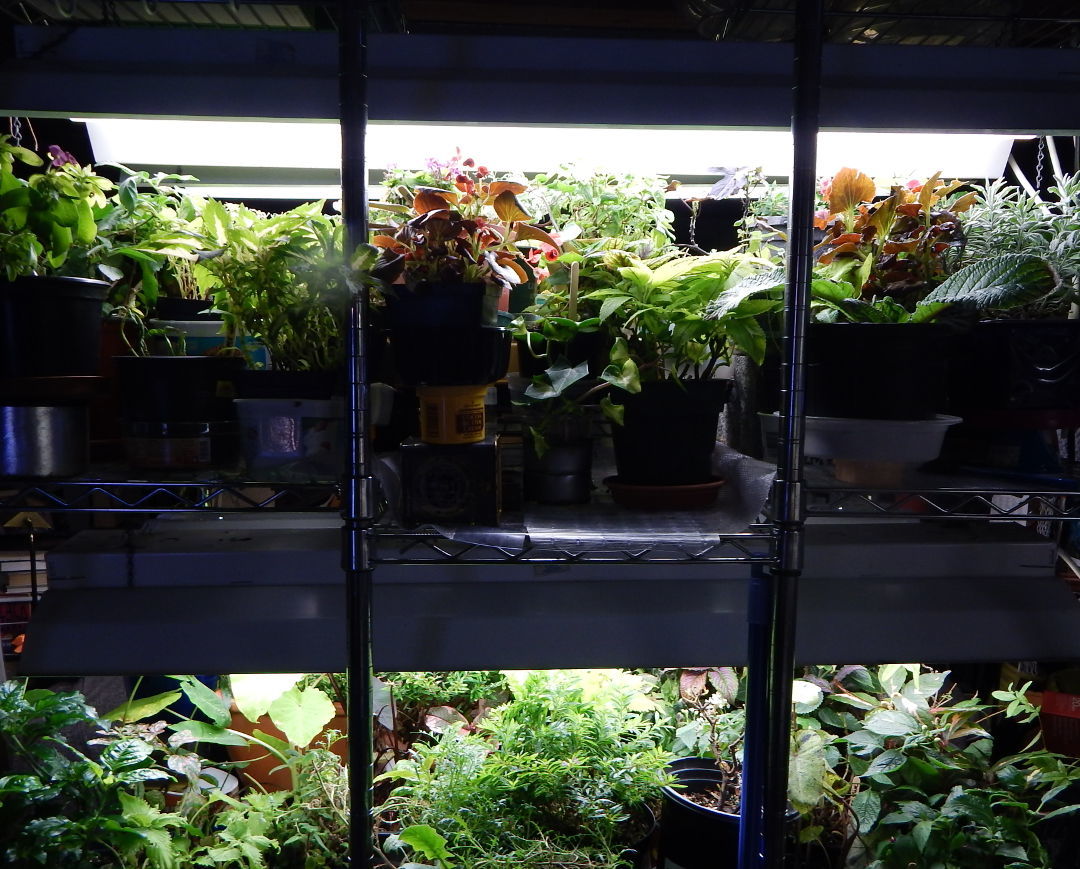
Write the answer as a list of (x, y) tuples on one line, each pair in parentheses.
[(302, 714), (254, 692), (205, 700), (623, 374), (615, 412), (186, 732), (998, 282), (560, 377)]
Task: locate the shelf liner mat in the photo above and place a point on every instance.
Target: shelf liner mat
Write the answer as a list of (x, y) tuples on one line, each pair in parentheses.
[(603, 526)]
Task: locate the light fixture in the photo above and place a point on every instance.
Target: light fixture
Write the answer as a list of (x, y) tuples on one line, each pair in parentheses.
[(188, 145)]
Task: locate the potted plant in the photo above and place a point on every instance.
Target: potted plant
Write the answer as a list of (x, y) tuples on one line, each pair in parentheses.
[(128, 789), (448, 269), (914, 766), (290, 712), (559, 407), (672, 356), (50, 301), (283, 283), (1017, 366), (564, 771), (249, 272), (699, 821), (601, 208)]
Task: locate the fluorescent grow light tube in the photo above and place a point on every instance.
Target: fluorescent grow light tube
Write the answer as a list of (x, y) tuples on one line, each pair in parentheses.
[(179, 145)]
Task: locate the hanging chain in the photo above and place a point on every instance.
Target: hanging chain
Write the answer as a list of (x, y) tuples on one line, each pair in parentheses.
[(16, 131), (695, 206), (1040, 159)]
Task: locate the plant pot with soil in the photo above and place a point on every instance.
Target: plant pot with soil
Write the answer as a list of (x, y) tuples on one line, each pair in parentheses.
[(671, 345)]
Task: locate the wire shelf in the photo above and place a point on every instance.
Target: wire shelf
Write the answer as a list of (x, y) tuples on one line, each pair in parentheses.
[(149, 497), (753, 546), (938, 497)]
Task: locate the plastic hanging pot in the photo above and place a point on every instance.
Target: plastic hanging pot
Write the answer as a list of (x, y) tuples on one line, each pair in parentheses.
[(1018, 371), (50, 326)]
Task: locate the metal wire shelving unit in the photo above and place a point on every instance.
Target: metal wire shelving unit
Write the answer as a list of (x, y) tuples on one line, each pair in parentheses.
[(776, 544)]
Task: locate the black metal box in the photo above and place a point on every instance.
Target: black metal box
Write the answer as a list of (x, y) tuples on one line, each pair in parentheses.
[(458, 484)]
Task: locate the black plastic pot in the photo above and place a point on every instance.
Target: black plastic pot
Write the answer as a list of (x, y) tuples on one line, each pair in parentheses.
[(1012, 369), (669, 432), (693, 836), (50, 326), (178, 410), (441, 305), (563, 474), (450, 357), (875, 370)]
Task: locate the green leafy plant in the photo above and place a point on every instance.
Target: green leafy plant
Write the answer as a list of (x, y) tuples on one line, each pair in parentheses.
[(146, 245), (47, 218), (988, 287), (600, 207), (918, 779), (71, 809), (659, 313), (555, 774), (1005, 219), (282, 279)]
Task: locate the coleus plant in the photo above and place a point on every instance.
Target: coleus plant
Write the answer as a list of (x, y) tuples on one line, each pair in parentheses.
[(469, 233), (897, 247)]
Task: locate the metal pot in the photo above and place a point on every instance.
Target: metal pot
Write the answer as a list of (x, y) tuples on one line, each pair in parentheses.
[(49, 441)]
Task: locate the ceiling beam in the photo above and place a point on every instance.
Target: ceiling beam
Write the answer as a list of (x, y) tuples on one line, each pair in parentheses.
[(259, 74)]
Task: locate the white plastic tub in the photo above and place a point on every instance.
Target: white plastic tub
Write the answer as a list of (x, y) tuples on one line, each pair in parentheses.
[(910, 441)]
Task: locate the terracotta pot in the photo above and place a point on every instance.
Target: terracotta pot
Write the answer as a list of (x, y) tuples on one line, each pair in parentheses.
[(263, 769)]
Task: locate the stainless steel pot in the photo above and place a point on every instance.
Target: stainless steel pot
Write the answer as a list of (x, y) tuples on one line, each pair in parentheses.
[(40, 441)]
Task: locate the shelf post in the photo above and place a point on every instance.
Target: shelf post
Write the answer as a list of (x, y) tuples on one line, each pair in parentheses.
[(771, 608), (358, 513)]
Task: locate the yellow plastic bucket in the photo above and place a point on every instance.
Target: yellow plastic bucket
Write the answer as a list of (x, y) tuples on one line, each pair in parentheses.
[(451, 414)]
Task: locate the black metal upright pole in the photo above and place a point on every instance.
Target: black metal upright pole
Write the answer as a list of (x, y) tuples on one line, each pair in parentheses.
[(772, 603), (358, 509)]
